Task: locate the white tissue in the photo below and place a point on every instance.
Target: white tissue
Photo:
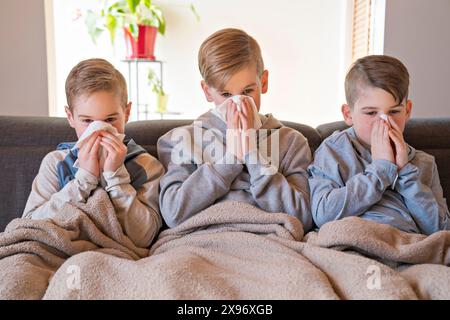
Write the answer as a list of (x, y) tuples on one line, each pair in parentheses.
[(221, 110), (384, 117), (237, 100), (94, 127)]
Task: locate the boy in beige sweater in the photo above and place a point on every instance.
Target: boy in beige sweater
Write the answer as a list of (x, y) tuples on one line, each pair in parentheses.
[(97, 95)]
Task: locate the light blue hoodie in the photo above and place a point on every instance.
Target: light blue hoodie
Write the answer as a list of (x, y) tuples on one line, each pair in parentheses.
[(346, 182)]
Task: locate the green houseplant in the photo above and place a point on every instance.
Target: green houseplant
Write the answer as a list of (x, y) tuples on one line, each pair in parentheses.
[(140, 20), (157, 88), (124, 14)]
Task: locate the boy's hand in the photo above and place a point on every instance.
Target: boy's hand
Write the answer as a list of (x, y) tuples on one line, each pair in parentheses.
[(248, 125), (116, 151), (401, 149), (380, 142), (88, 155), (246, 116), (233, 138)]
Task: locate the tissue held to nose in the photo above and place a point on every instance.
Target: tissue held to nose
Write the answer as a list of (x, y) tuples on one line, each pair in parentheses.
[(221, 110), (94, 127), (384, 117), (237, 100)]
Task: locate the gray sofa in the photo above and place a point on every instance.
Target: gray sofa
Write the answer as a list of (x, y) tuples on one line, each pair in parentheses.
[(24, 141)]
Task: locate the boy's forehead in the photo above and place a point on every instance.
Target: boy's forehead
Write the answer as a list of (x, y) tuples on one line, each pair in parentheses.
[(245, 77), (97, 104), (239, 86), (368, 96), (380, 107)]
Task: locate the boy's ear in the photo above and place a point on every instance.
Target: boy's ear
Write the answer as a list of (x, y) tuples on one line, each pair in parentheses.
[(265, 81), (127, 111), (347, 113), (409, 106), (69, 115), (206, 90)]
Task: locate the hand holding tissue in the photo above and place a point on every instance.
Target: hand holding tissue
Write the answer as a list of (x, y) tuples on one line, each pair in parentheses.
[(221, 110), (96, 126), (241, 139)]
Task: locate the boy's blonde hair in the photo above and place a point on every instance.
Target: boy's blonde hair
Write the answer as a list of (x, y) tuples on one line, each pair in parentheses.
[(94, 75), (379, 71), (224, 53)]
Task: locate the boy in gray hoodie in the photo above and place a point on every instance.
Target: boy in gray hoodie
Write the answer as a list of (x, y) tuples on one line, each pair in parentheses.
[(369, 170), (233, 152)]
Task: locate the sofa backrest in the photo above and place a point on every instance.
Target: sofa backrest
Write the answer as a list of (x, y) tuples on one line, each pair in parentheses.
[(26, 140), (147, 132)]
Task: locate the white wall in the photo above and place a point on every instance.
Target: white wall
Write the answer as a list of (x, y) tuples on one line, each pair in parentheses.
[(23, 75), (302, 43), (72, 44), (418, 32)]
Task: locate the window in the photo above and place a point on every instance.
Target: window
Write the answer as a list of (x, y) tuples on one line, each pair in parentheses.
[(68, 42), (367, 28)]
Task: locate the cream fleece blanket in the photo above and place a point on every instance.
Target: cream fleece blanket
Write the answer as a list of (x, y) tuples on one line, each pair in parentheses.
[(235, 251), (32, 250)]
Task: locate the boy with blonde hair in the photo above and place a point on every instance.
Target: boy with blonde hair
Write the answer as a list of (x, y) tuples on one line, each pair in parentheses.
[(369, 170), (224, 154), (97, 94)]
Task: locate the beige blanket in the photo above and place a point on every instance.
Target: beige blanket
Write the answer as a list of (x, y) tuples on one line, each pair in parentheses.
[(32, 250), (235, 251)]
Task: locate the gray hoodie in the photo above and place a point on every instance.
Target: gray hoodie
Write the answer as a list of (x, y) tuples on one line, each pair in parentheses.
[(201, 180), (346, 182)]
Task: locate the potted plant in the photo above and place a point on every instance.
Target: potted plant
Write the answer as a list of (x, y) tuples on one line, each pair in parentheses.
[(140, 21), (157, 88)]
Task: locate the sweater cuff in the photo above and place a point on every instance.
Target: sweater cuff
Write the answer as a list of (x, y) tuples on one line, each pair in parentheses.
[(408, 173), (408, 170), (385, 170), (86, 182), (228, 167), (113, 179), (257, 168)]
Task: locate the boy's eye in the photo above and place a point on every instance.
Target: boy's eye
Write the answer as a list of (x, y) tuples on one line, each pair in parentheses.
[(87, 120), (371, 113), (394, 111), (247, 91), (226, 95), (110, 120)]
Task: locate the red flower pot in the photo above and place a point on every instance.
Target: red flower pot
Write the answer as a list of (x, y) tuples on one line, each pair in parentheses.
[(144, 46)]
